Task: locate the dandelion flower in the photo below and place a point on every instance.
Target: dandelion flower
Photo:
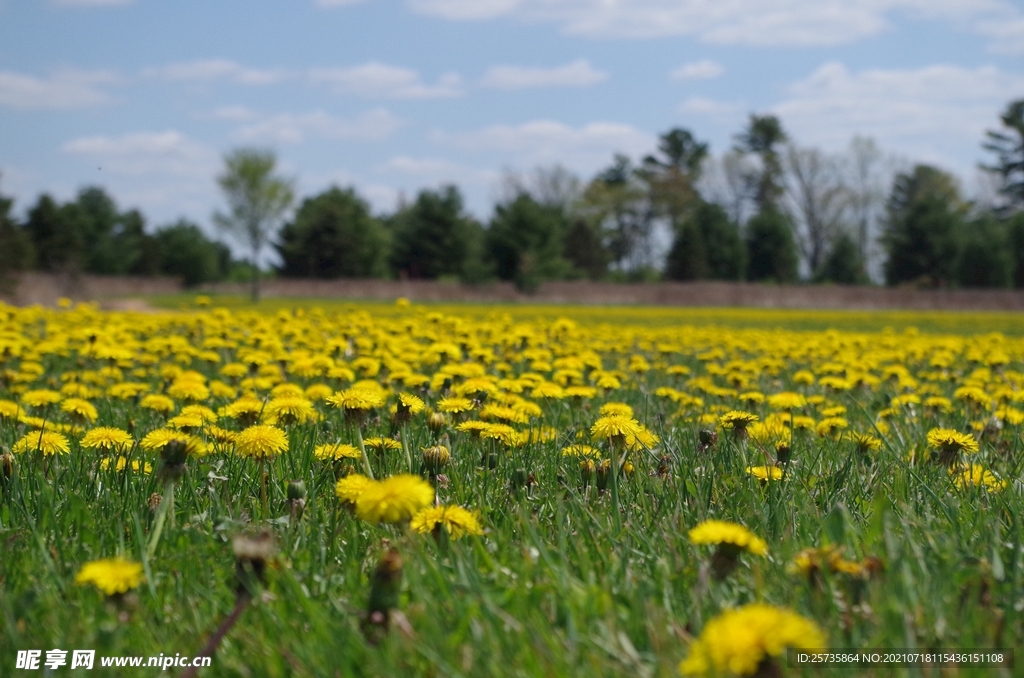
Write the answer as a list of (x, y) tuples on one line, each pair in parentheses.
[(394, 499), (349, 488), (261, 442), (336, 451), (765, 473), (48, 443), (122, 463), (976, 475), (723, 532), (949, 443), (40, 398), (106, 439), (615, 427), (111, 576), (457, 521), (80, 410), (454, 405), (738, 641)]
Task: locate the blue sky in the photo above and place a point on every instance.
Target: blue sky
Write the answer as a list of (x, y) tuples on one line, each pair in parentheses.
[(145, 97)]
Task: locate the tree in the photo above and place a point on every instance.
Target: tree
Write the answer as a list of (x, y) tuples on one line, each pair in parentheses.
[(333, 235), (433, 238), (819, 198), (1015, 236), (257, 200), (985, 259), (707, 245), (1009, 149), (186, 252), (763, 135), (16, 251), (844, 264), (922, 229), (673, 175), (57, 236), (866, 190), (771, 251), (618, 200), (584, 250), (525, 241)]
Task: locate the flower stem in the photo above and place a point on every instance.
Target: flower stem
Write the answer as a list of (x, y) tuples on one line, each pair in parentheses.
[(362, 450), (161, 515)]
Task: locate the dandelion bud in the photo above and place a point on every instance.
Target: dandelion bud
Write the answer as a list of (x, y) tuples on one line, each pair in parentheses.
[(782, 453), (435, 458), (173, 455), (7, 463), (436, 421), (603, 470), (587, 468), (387, 580), (627, 469), (252, 551), (154, 501), (664, 464), (297, 498), (707, 438)]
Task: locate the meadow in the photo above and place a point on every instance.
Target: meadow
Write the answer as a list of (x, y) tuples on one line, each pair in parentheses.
[(358, 489)]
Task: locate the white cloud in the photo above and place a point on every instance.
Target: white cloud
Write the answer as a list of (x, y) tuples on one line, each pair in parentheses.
[(290, 128), (750, 22), (698, 70), (931, 113), (232, 114), (438, 171), (461, 10), (375, 80), (1007, 36), (165, 153), (703, 106), (544, 142), (210, 70), (579, 73), (62, 90)]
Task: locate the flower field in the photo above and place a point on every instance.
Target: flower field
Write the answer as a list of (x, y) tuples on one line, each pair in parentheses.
[(407, 490)]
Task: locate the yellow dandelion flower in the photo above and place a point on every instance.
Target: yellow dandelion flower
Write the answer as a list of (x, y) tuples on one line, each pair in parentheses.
[(382, 444), (723, 532), (580, 451), (616, 409), (615, 426), (80, 410), (157, 403), (106, 439), (736, 642), (765, 473), (830, 426), (456, 521), (395, 499), (48, 443), (40, 398), (786, 400), (112, 575), (349, 488), (122, 463), (356, 399), (976, 475), (261, 442), (336, 451), (454, 405), (410, 403), (737, 419), (291, 409)]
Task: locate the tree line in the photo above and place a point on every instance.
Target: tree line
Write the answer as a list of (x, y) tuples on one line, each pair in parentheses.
[(766, 210)]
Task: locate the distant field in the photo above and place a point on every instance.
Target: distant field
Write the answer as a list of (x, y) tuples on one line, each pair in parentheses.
[(954, 322)]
